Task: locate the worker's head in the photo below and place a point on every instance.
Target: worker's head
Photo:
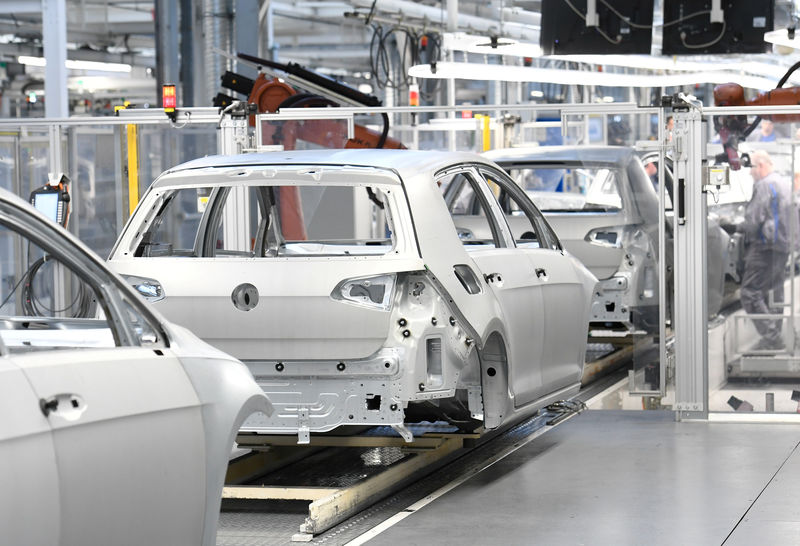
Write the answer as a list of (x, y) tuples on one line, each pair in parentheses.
[(670, 123), (760, 164), (767, 127)]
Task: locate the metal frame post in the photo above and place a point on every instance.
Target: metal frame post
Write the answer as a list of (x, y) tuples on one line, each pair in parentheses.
[(690, 312), (54, 30), (233, 139)]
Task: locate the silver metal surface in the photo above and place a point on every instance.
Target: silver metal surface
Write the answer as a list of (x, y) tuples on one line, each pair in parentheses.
[(690, 263), (705, 484)]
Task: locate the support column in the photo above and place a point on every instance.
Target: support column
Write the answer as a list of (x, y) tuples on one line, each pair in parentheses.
[(690, 312), (188, 66), (452, 26), (246, 30), (166, 15), (54, 32)]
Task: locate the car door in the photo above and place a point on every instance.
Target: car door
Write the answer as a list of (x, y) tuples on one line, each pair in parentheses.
[(507, 273), (125, 419), (566, 285), (29, 489)]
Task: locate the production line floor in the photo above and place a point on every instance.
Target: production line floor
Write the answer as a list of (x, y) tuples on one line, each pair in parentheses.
[(602, 477), (624, 477)]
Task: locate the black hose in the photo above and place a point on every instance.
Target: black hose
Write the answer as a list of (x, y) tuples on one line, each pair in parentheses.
[(323, 81)]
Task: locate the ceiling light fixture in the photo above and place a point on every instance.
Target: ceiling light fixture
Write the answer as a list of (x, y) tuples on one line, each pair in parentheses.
[(77, 65), (496, 72)]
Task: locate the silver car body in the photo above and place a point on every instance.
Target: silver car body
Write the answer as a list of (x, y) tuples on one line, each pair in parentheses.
[(118, 428), (610, 222), (463, 331)]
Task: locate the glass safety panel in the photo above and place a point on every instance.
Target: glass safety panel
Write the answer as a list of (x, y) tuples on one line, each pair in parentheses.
[(43, 303), (8, 163), (162, 147), (96, 197), (303, 134), (34, 165), (753, 292)]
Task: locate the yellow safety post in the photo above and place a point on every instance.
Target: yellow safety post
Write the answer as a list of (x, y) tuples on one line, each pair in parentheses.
[(133, 167), (487, 136)]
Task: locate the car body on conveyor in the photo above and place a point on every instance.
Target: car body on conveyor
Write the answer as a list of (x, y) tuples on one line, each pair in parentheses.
[(118, 425), (352, 292), (604, 207)]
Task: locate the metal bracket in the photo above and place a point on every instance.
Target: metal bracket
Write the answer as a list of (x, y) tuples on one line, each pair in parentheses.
[(303, 432), (403, 431), (475, 401)]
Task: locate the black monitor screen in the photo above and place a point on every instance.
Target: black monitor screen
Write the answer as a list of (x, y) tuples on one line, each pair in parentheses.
[(47, 204), (624, 26), (743, 31)]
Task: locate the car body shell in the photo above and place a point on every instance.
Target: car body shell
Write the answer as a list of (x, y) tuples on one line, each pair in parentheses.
[(325, 362), (627, 269), (138, 431)]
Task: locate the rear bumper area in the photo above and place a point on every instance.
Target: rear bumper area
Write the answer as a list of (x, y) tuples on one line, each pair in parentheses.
[(319, 396)]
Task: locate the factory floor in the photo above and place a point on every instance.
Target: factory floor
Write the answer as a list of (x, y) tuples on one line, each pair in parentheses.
[(621, 477)]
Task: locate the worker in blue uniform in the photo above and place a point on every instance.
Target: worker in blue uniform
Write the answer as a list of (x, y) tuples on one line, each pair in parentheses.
[(770, 223)]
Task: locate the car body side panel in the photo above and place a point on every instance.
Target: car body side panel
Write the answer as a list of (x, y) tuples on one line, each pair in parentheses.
[(568, 285), (29, 512), (295, 317), (149, 419), (519, 292)]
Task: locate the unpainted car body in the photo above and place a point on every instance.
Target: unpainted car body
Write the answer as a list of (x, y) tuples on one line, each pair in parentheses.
[(606, 213), (116, 428), (351, 295)]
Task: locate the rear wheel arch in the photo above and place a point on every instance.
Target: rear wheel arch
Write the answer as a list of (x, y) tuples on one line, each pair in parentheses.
[(494, 380)]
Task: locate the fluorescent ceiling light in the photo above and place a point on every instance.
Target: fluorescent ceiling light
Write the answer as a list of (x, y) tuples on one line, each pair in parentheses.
[(77, 65), (496, 72), (663, 63)]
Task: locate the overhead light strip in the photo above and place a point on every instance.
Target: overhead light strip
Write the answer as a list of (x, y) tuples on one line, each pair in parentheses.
[(496, 72), (78, 65)]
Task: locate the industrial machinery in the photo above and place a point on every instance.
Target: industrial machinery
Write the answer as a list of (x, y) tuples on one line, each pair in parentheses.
[(734, 129), (270, 94)]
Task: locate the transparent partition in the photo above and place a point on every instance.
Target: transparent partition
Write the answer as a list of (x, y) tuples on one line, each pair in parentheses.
[(753, 240), (9, 170), (96, 195), (33, 160), (603, 202), (162, 147)]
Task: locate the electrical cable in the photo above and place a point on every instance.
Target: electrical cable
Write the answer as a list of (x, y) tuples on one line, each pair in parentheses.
[(630, 23), (402, 45), (35, 308), (598, 29), (707, 44)]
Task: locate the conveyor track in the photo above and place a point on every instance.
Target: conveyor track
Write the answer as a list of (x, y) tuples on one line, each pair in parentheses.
[(281, 493)]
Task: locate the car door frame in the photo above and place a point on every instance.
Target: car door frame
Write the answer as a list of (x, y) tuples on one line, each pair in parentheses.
[(527, 388), (563, 366), (40, 369)]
